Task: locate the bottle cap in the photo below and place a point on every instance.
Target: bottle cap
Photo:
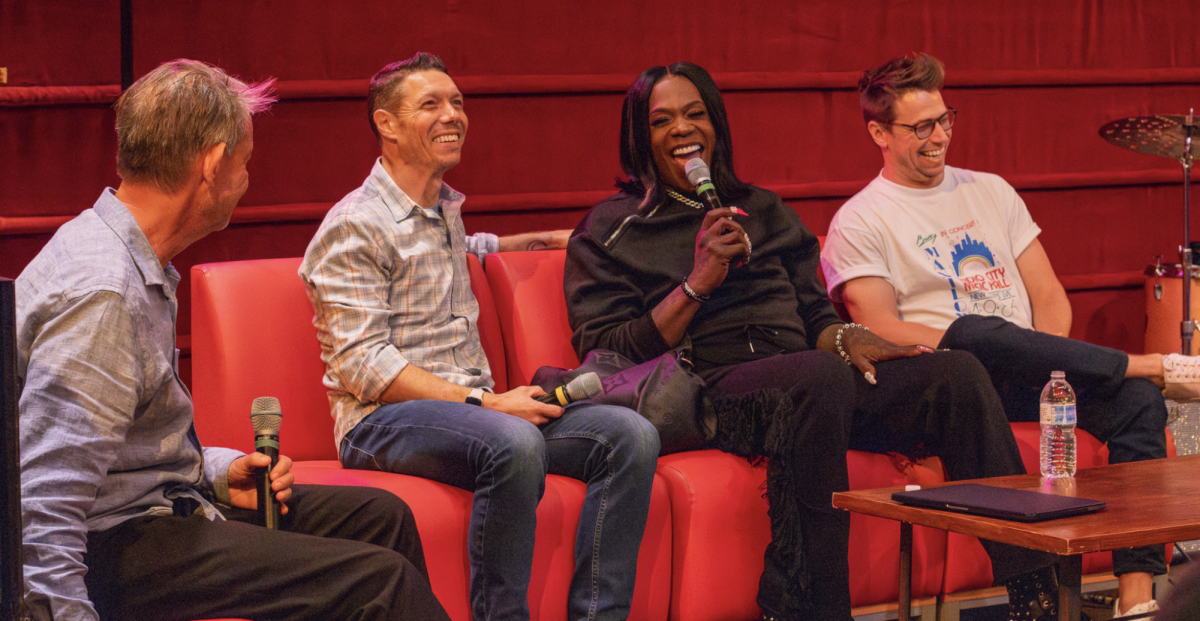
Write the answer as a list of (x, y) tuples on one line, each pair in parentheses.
[(1057, 375)]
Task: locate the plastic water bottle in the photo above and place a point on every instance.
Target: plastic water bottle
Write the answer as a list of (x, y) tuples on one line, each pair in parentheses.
[(1058, 427)]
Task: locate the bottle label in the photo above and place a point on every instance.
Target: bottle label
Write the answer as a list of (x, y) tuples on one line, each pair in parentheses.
[(1056, 414)]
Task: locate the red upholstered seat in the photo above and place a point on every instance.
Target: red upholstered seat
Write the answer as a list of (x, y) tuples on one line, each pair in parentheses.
[(252, 335), (719, 516), (708, 526), (528, 291)]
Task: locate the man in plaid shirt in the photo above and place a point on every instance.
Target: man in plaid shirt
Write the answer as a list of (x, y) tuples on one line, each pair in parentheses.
[(409, 382)]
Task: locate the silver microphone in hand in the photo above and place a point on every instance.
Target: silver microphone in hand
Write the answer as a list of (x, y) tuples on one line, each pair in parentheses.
[(583, 387), (699, 176), (266, 417)]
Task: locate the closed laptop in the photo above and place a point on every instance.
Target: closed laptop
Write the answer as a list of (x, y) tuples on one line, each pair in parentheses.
[(999, 502)]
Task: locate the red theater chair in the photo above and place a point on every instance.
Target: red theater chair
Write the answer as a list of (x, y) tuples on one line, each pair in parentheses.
[(252, 335), (718, 514)]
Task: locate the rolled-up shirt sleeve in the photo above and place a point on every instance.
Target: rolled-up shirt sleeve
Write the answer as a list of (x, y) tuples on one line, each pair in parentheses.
[(349, 279), (483, 244), (216, 471)]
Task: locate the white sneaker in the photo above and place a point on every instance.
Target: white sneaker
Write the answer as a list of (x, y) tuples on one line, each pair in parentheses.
[(1181, 374), (1140, 609)]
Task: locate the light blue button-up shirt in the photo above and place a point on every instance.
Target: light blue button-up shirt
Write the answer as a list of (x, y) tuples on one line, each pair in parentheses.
[(106, 425)]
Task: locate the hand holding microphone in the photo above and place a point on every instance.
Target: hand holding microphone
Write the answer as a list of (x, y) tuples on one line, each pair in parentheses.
[(700, 177), (720, 241), (520, 401), (583, 387)]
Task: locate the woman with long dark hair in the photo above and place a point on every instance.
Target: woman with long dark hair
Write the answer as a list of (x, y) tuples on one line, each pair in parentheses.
[(651, 270)]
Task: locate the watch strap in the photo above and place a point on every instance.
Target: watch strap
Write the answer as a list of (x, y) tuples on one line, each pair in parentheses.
[(475, 397)]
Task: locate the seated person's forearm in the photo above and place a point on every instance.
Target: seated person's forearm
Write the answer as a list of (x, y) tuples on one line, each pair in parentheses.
[(907, 332), (673, 315), (1053, 316), (903, 332), (414, 383), (539, 240)]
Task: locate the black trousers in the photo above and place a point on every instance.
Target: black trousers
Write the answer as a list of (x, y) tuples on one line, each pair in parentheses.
[(943, 402), (1128, 414), (340, 553)]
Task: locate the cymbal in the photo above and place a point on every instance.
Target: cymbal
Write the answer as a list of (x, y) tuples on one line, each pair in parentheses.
[(1161, 135)]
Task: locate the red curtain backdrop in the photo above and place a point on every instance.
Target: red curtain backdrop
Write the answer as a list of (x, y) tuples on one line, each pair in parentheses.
[(1033, 81)]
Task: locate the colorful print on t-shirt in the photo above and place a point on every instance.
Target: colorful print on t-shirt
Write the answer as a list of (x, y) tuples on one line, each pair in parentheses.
[(977, 285)]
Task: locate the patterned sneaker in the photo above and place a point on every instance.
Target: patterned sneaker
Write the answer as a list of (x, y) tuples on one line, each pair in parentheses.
[(1141, 609), (1181, 374)]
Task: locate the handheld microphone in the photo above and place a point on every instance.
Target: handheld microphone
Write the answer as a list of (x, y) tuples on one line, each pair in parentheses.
[(266, 417), (700, 178), (585, 386)]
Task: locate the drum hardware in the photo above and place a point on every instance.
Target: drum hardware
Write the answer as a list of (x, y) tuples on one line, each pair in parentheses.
[(1166, 136), (1158, 272)]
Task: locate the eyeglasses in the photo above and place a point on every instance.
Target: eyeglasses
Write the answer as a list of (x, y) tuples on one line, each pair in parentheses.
[(925, 130)]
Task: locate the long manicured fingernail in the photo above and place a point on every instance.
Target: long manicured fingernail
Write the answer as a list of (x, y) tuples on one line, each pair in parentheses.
[(925, 349), (870, 378), (739, 212)]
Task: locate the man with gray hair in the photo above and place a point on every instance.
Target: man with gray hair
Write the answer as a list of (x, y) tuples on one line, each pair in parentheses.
[(126, 516)]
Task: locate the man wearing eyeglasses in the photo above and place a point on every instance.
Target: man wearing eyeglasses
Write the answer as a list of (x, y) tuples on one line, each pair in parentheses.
[(945, 257)]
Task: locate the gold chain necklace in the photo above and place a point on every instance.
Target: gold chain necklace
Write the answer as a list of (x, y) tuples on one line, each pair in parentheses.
[(683, 199)]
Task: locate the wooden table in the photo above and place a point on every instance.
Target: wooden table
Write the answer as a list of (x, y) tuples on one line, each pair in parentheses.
[(1148, 502)]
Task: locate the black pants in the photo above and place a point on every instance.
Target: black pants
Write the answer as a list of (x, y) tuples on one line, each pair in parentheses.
[(1127, 414), (942, 402), (340, 553)]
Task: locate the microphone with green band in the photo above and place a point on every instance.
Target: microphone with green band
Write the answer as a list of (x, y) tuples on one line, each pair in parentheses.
[(266, 418), (700, 178)]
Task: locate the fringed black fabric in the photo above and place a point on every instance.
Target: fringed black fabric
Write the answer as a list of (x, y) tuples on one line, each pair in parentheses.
[(1033, 596), (762, 425)]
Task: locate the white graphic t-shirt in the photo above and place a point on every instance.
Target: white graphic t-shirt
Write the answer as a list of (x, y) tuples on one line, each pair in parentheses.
[(948, 251)]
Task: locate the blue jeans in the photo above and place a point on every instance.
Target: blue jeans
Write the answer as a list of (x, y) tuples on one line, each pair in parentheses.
[(1128, 414), (504, 460)]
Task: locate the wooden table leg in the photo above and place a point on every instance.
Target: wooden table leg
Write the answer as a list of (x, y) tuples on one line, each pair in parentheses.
[(1069, 570), (906, 540)]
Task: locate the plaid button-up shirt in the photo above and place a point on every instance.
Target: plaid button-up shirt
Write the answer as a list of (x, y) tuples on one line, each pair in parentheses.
[(389, 285)]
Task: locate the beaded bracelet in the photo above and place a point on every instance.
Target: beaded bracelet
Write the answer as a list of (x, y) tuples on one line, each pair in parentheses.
[(691, 293), (838, 341)]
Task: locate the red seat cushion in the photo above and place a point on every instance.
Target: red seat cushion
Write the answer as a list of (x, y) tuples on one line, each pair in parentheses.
[(722, 529), (253, 335), (528, 291)]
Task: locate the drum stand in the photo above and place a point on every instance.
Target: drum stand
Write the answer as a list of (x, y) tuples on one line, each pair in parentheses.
[(1187, 327), (1166, 136)]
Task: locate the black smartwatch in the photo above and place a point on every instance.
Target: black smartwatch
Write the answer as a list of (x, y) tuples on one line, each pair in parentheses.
[(475, 397)]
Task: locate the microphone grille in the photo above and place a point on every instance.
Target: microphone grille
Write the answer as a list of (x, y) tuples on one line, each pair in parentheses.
[(585, 386), (266, 416), (697, 171)]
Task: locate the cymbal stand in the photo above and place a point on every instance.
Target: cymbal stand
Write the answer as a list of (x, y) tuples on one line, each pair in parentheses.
[(1187, 327)]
